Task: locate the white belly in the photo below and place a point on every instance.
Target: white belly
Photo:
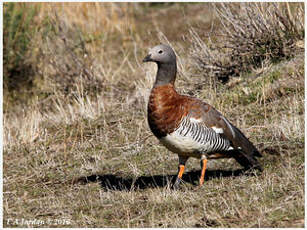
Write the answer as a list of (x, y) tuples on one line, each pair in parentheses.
[(184, 145)]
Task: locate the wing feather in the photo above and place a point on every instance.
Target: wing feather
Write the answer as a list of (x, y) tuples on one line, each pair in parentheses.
[(243, 150)]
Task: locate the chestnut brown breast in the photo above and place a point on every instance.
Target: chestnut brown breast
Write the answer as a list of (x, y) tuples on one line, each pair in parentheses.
[(165, 110)]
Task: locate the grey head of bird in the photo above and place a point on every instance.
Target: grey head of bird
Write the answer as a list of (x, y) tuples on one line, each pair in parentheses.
[(161, 54), (165, 58)]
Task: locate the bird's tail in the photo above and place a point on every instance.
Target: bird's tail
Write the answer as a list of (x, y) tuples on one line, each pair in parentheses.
[(246, 153), (247, 161)]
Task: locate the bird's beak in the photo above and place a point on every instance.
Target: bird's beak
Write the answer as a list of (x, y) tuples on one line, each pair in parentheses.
[(147, 58)]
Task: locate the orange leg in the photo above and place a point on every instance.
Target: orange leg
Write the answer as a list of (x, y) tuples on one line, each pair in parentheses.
[(182, 161), (180, 171), (179, 176), (203, 170)]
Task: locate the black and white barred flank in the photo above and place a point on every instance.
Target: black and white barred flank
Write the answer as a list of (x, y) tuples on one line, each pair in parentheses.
[(193, 136), (203, 135)]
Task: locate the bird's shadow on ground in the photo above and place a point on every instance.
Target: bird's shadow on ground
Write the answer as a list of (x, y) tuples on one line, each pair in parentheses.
[(113, 182)]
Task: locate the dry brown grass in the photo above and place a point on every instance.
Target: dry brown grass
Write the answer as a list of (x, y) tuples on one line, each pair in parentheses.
[(250, 34), (79, 152)]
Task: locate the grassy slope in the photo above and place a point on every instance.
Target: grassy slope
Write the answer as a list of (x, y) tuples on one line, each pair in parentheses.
[(96, 164)]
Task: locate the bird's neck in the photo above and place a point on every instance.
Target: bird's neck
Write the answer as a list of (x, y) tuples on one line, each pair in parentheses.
[(166, 74)]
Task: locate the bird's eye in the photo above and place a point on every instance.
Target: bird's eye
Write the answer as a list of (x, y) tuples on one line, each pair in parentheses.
[(160, 51)]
